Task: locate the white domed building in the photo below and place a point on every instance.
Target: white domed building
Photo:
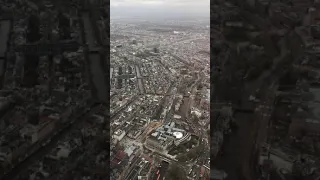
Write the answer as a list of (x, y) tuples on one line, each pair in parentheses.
[(166, 135)]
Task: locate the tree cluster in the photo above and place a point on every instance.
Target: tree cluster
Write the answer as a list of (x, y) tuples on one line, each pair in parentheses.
[(176, 173), (191, 154)]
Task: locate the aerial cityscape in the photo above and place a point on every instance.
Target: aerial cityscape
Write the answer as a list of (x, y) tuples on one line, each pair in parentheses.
[(159, 90), (265, 89), (160, 94), (54, 98)]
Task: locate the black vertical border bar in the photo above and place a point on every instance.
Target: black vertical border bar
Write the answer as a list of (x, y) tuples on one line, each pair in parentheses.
[(107, 76), (212, 124)]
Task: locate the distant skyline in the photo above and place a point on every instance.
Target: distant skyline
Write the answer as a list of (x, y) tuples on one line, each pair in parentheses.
[(160, 8)]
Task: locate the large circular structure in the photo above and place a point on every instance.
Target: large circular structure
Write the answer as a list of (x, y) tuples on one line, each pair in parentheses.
[(178, 135)]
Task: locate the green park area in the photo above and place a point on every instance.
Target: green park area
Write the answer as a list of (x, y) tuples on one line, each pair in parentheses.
[(191, 154), (176, 172)]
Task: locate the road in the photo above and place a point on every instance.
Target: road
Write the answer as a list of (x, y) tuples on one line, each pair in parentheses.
[(139, 79)]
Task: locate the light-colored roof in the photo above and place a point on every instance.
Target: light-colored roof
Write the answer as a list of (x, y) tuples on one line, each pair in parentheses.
[(178, 135)]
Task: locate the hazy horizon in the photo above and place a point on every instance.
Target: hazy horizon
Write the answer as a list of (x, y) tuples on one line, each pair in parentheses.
[(160, 8)]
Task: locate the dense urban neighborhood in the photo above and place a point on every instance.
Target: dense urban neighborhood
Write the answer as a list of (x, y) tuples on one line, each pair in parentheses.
[(159, 99)]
